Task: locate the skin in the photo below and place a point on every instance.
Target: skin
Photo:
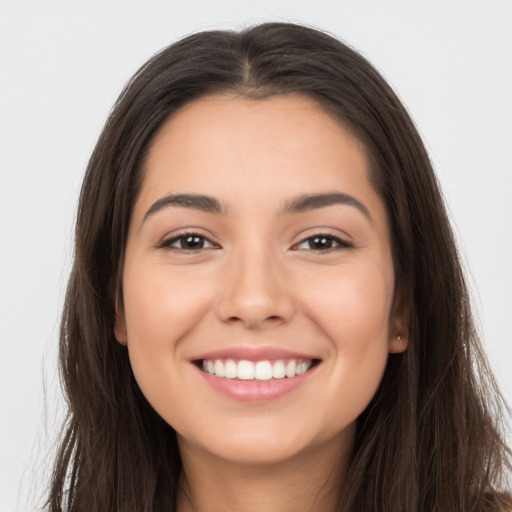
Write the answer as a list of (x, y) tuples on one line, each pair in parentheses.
[(258, 282)]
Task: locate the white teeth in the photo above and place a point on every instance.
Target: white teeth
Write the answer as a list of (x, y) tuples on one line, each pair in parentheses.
[(290, 369), (245, 370), (278, 370), (261, 370), (300, 369), (230, 369), (219, 369), (303, 367)]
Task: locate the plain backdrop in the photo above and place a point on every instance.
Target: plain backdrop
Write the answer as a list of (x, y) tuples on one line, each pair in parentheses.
[(62, 65)]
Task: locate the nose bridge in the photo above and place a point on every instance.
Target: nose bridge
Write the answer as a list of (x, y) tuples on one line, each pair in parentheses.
[(255, 288)]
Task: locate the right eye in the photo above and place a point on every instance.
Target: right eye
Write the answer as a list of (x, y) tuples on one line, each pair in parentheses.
[(188, 242)]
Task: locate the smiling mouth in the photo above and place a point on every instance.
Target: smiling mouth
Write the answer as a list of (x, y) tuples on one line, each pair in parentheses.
[(266, 370)]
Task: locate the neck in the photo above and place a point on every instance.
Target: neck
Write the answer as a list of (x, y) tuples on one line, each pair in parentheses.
[(307, 482)]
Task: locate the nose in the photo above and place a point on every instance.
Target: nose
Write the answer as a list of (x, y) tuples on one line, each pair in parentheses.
[(255, 291)]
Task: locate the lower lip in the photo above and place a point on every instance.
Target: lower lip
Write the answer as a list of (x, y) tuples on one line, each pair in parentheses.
[(256, 390)]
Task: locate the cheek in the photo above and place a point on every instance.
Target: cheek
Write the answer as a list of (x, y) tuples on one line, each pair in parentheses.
[(353, 305), (160, 306), (352, 309), (160, 309)]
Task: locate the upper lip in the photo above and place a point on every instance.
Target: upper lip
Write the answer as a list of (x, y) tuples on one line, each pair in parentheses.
[(253, 354)]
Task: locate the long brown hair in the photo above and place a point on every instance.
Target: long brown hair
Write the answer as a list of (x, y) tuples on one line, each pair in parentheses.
[(429, 441)]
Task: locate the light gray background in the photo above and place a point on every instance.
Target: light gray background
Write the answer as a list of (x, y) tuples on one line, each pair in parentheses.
[(62, 64)]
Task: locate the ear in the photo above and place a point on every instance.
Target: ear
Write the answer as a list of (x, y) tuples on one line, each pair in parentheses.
[(120, 326), (399, 325)]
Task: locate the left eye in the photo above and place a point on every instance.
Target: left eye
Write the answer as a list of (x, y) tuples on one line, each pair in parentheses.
[(322, 243), (188, 242)]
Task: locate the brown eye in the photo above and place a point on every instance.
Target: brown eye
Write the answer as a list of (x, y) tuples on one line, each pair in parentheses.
[(322, 242), (191, 242), (188, 242)]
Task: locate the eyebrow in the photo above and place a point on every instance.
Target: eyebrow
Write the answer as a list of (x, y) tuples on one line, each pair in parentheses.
[(308, 202), (193, 201), (300, 204)]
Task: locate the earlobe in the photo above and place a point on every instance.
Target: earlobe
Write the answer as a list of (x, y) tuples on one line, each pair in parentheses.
[(399, 326), (398, 343), (120, 328)]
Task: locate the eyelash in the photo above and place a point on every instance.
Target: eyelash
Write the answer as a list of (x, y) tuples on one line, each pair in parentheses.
[(168, 244), (340, 244)]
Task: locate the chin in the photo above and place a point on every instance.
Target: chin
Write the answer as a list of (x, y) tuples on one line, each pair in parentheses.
[(263, 454), (259, 445)]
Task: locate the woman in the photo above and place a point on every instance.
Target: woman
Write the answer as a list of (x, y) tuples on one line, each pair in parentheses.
[(266, 308)]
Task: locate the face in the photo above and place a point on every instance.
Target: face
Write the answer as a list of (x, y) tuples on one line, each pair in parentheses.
[(258, 280)]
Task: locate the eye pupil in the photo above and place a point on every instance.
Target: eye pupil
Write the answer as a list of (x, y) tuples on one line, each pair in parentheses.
[(192, 242), (320, 242)]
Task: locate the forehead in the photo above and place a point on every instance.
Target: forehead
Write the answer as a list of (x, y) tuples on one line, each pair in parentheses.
[(233, 147), (288, 120)]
